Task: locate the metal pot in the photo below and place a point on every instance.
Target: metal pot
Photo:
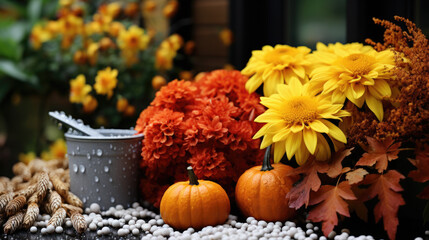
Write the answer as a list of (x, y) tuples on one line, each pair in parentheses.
[(105, 170)]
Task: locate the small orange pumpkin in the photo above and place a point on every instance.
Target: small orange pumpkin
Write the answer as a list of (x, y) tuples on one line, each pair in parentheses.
[(194, 204), (261, 191)]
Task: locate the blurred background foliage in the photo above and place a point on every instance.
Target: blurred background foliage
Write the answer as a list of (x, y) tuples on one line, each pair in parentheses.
[(46, 44)]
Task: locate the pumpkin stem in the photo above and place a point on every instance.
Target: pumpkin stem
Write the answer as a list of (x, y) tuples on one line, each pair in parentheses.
[(193, 180), (266, 164)]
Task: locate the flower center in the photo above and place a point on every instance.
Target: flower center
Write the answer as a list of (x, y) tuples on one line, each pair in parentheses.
[(277, 56), (300, 109), (358, 64)]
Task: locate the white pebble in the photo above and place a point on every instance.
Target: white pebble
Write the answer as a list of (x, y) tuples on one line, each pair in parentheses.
[(152, 222), (100, 224), (119, 207), (135, 231), (43, 231), (123, 232), (50, 229), (313, 236), (59, 229), (92, 226), (94, 207), (99, 232), (146, 227), (322, 238), (309, 231), (427, 232), (418, 238), (33, 229), (332, 234), (160, 222), (135, 205), (250, 219), (69, 223), (105, 230), (115, 223), (309, 226)]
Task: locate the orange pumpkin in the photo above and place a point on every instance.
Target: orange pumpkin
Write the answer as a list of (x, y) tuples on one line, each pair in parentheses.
[(261, 191), (194, 204)]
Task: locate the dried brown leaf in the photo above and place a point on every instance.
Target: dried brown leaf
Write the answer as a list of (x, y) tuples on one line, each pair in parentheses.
[(356, 176)]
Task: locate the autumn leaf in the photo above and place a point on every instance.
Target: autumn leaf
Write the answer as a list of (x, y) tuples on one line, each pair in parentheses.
[(332, 201), (421, 174), (300, 194), (386, 187), (356, 176), (335, 166), (380, 153), (358, 205)]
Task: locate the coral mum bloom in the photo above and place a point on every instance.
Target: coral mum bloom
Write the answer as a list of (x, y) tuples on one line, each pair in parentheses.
[(295, 121), (358, 74), (106, 81), (275, 65)]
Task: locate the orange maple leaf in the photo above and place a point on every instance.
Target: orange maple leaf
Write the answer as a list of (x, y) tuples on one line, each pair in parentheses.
[(356, 176), (380, 153), (332, 202), (335, 166), (421, 174), (300, 193), (386, 187)]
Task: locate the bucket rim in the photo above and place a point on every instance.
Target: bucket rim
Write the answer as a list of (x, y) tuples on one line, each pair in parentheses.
[(109, 134)]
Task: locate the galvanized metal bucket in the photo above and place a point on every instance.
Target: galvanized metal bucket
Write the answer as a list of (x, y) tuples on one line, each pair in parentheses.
[(105, 170)]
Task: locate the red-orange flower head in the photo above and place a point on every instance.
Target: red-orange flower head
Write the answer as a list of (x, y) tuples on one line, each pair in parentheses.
[(206, 124)]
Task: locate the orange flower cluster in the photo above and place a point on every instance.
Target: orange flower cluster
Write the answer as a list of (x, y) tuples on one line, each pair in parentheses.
[(407, 117), (207, 124)]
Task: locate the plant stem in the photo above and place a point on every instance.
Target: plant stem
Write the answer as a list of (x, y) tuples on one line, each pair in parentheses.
[(193, 180), (266, 164)]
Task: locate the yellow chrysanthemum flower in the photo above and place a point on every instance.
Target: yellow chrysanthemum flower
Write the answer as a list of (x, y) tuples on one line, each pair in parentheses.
[(105, 81), (295, 121), (360, 74), (92, 53), (78, 89), (38, 36), (57, 150), (27, 157), (89, 104), (115, 28), (275, 65), (133, 39)]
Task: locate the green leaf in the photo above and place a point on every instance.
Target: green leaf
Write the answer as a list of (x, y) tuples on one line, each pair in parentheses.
[(13, 70), (10, 49), (34, 10), (13, 30)]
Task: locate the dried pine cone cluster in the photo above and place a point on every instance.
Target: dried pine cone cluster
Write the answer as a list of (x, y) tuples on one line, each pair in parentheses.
[(39, 187)]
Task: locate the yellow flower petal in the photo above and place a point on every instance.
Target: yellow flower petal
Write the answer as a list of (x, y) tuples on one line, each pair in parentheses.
[(323, 152), (279, 151), (266, 141), (335, 131), (310, 140), (293, 143), (375, 106), (318, 126), (302, 155)]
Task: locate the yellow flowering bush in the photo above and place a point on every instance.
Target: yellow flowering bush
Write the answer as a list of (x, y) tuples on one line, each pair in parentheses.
[(105, 58)]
